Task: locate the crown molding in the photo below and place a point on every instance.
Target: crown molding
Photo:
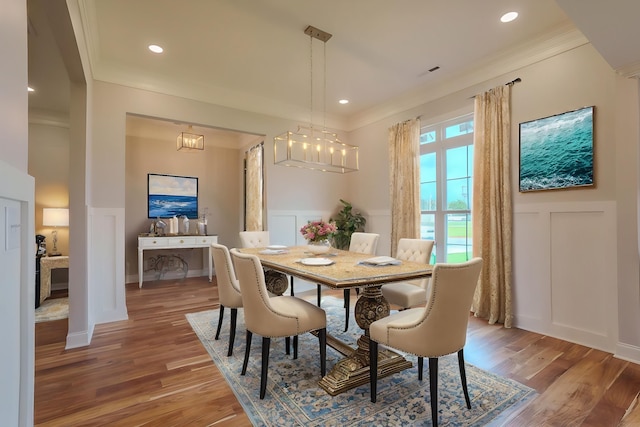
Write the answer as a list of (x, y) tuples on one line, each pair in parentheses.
[(630, 70), (564, 39)]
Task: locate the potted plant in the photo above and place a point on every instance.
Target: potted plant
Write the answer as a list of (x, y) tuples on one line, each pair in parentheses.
[(347, 222)]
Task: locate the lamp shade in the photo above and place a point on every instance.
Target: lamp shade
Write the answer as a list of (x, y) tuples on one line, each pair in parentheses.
[(55, 217)]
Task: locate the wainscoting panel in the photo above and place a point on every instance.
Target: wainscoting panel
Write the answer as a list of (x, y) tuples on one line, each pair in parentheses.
[(283, 229), (531, 274), (565, 274), (284, 226), (379, 221), (106, 265)]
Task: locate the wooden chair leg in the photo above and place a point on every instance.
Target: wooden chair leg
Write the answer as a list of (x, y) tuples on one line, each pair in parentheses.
[(291, 281), (319, 295), (433, 389), (463, 377), (347, 303), (266, 342), (420, 367), (373, 369), (220, 317), (247, 349), (322, 337), (232, 330), (295, 347), (287, 344)]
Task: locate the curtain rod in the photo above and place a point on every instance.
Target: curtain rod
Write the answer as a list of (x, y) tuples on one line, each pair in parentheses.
[(511, 83)]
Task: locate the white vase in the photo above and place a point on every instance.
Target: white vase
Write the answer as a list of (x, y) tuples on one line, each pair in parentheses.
[(319, 248)]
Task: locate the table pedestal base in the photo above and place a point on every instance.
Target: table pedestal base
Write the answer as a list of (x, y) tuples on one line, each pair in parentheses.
[(353, 371)]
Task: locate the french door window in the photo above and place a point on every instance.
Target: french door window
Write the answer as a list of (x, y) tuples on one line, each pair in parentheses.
[(446, 183)]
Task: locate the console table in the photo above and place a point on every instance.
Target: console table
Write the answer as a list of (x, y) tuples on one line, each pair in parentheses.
[(146, 243), (48, 263)]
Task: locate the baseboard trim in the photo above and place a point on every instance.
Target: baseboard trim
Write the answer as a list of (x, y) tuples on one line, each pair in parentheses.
[(79, 339), (630, 353)]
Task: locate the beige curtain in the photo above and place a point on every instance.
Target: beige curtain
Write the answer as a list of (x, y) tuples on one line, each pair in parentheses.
[(404, 181), (492, 217), (254, 191)]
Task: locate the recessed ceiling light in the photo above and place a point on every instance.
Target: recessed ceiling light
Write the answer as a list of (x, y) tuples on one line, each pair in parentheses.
[(155, 48), (509, 16), (30, 89), (343, 101)]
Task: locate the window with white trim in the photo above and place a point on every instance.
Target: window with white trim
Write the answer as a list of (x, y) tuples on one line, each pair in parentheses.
[(446, 183)]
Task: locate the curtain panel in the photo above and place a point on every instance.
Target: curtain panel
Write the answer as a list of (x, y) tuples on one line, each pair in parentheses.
[(254, 191), (492, 212), (404, 180)]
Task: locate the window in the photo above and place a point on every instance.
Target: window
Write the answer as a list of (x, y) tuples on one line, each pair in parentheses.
[(446, 183)]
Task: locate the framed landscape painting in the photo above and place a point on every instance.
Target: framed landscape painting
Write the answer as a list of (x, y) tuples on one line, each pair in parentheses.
[(170, 195), (557, 151)]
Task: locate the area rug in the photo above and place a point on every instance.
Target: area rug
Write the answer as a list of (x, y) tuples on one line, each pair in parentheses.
[(294, 398), (52, 309)]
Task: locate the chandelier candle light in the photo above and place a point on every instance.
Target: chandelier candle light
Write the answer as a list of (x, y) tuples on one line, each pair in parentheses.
[(312, 146), (190, 141)]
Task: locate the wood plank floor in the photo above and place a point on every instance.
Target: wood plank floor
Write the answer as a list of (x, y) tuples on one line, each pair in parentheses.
[(151, 370)]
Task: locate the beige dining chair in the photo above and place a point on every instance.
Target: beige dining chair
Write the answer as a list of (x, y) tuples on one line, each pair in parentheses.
[(228, 290), (414, 292), (260, 239), (254, 239), (436, 330), (364, 243), (281, 316)]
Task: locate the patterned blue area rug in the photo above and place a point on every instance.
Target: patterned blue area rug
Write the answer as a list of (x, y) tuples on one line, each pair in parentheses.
[(294, 398)]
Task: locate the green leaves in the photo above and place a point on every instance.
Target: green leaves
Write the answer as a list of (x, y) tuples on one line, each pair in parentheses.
[(347, 222)]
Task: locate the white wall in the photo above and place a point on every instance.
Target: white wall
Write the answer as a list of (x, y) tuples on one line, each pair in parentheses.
[(288, 188), (17, 245), (557, 233), (219, 192)]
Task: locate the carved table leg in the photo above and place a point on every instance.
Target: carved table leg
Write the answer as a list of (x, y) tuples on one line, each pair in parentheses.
[(353, 371)]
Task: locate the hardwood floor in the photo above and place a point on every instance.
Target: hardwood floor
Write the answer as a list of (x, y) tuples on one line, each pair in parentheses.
[(151, 370)]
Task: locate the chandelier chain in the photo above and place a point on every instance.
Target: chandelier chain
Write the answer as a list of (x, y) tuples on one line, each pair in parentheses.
[(324, 92), (311, 81)]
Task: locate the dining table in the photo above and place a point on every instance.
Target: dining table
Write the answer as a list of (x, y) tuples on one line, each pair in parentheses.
[(339, 269)]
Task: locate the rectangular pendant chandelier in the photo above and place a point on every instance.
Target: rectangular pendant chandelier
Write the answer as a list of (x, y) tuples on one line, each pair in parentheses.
[(316, 149), (190, 141)]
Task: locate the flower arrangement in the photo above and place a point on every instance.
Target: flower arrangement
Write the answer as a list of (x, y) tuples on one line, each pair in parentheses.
[(317, 231)]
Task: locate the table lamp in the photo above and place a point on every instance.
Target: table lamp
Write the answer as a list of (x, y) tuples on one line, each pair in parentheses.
[(55, 217)]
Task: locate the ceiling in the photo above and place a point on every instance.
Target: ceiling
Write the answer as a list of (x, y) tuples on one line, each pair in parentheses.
[(254, 56)]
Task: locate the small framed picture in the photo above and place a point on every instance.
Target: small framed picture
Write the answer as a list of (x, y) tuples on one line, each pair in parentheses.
[(557, 151)]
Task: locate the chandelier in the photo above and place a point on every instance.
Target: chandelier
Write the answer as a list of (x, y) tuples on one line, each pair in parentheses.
[(190, 141), (312, 146)]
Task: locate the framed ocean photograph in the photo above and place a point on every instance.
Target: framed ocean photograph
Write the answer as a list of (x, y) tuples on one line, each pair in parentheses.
[(170, 195), (557, 151)]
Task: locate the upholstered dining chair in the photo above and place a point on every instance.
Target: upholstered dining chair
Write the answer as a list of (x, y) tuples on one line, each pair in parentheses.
[(228, 290), (410, 293), (436, 330), (254, 239), (281, 316), (364, 243), (260, 239)]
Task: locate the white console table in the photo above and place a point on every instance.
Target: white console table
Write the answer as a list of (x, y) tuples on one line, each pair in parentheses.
[(146, 243)]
